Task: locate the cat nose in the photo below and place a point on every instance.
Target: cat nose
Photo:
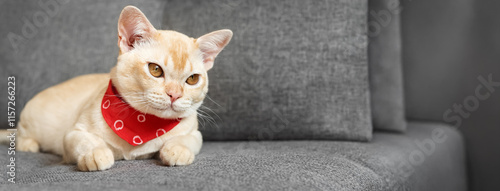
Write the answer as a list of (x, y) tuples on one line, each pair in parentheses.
[(173, 95)]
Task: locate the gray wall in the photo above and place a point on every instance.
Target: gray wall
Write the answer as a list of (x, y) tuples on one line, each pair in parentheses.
[(447, 45)]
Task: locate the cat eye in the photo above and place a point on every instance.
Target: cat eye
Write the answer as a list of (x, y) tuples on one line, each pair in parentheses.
[(155, 70), (193, 79)]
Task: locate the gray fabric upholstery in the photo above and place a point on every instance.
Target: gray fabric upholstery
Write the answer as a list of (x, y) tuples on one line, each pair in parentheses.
[(293, 70), (69, 39), (384, 63), (448, 45), (384, 164), (67, 46), (287, 76)]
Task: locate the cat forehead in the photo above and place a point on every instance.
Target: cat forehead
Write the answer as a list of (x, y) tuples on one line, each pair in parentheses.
[(180, 50), (172, 39)]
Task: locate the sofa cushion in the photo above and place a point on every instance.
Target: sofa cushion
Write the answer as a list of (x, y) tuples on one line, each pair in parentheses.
[(385, 65), (47, 42), (293, 70), (387, 163)]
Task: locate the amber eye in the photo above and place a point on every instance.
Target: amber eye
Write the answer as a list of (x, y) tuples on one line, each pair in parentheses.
[(155, 70), (193, 79)]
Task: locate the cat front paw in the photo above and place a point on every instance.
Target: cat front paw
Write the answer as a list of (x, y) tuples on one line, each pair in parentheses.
[(98, 159), (176, 155)]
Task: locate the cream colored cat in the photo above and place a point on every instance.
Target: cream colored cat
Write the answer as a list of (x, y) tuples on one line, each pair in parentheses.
[(158, 72)]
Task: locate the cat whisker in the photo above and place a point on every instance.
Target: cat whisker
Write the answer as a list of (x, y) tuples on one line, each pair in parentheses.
[(207, 108), (206, 118), (213, 100)]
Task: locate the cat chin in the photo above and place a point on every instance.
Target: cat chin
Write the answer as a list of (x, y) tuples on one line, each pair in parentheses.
[(165, 114), (171, 114), (168, 112)]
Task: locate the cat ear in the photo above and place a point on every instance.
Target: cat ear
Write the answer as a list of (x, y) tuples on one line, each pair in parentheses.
[(133, 26), (211, 44)]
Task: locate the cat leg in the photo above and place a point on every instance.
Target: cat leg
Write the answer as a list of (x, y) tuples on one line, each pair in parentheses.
[(181, 150), (89, 151), (27, 144), (24, 142)]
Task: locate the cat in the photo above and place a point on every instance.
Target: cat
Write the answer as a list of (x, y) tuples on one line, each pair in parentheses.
[(160, 79)]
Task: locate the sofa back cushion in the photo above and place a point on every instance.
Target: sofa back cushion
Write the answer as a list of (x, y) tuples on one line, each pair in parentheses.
[(293, 70), (47, 42)]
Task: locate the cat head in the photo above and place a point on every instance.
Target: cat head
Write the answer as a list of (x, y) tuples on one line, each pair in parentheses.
[(163, 72)]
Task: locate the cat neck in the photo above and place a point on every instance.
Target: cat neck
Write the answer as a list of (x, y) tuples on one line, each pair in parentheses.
[(130, 124)]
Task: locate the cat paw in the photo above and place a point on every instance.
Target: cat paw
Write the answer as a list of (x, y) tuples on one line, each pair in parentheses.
[(98, 159), (176, 155), (27, 145)]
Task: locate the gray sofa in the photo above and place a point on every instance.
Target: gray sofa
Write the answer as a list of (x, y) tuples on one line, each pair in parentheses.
[(382, 164), (377, 150)]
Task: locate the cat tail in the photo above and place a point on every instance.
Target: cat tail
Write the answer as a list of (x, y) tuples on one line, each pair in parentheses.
[(4, 136)]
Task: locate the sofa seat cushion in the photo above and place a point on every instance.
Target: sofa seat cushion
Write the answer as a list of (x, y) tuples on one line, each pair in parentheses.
[(387, 163)]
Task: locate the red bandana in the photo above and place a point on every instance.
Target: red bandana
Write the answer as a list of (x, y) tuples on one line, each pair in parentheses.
[(129, 124)]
